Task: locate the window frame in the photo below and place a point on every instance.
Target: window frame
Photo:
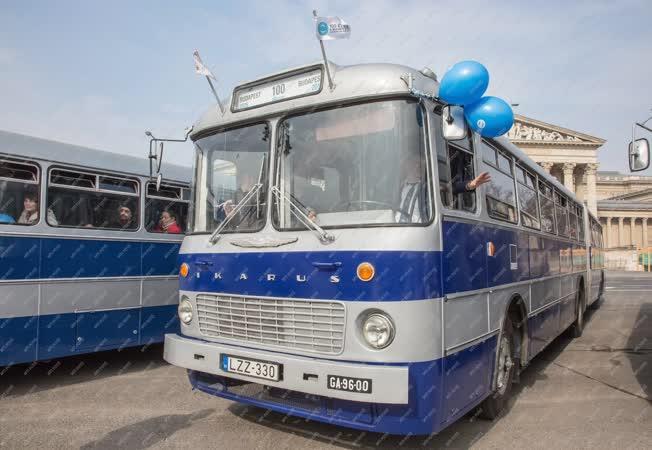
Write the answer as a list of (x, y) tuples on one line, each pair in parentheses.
[(169, 199), (201, 161), (469, 151), (37, 183), (527, 173), (428, 158), (96, 190), (488, 197), (540, 193)]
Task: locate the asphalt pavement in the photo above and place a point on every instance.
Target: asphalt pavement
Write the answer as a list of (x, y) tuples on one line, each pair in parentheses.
[(591, 392)]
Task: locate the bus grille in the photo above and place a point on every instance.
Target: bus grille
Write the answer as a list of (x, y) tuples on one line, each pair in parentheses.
[(314, 326)]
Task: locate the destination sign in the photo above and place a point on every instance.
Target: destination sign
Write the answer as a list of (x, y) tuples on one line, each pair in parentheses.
[(299, 85)]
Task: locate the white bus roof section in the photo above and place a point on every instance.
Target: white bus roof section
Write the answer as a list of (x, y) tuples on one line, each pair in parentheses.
[(59, 152), (351, 82)]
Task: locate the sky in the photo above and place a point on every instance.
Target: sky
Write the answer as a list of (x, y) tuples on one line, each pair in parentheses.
[(99, 74)]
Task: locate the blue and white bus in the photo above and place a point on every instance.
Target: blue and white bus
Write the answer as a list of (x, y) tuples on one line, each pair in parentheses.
[(335, 270), (88, 250)]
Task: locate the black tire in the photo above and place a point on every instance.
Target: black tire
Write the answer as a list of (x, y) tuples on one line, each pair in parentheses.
[(506, 366), (577, 328)]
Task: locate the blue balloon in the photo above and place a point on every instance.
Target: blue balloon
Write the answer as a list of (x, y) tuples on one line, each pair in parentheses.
[(490, 116), (464, 83)]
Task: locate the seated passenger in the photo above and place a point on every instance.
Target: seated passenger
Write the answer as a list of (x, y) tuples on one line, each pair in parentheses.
[(125, 218), (29, 216), (168, 223)]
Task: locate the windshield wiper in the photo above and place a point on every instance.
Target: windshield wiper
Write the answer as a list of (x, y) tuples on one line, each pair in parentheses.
[(323, 235), (250, 193)]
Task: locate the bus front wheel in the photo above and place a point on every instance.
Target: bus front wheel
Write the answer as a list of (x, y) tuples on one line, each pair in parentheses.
[(504, 374)]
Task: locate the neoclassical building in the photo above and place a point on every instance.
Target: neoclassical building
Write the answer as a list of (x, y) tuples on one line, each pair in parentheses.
[(623, 203)]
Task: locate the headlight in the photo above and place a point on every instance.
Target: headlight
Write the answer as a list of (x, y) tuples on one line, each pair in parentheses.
[(378, 330), (185, 310)]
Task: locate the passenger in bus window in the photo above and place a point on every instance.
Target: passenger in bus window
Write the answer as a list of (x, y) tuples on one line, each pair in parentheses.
[(29, 216), (168, 223), (125, 217)]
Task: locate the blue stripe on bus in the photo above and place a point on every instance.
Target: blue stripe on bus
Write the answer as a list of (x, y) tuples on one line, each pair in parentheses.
[(400, 275), (25, 258), (26, 339)]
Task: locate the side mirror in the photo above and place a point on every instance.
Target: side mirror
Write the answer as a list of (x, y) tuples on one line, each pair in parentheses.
[(159, 177), (453, 123), (159, 158), (639, 155)]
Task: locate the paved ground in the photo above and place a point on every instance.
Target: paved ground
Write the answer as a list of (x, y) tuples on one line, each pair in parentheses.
[(593, 392)]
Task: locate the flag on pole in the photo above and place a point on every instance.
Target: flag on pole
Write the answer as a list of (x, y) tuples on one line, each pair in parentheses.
[(200, 68), (331, 28)]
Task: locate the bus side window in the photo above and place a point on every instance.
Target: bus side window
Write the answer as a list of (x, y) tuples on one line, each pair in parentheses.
[(19, 193), (89, 200), (547, 207), (455, 163), (561, 212), (166, 210), (500, 193)]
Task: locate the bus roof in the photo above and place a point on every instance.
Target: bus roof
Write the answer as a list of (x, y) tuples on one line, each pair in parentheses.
[(351, 82), (60, 152)]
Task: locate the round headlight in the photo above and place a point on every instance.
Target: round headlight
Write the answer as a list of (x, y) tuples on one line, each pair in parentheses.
[(378, 330), (185, 310)]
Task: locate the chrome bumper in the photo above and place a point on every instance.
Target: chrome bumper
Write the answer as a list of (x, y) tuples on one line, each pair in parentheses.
[(389, 383)]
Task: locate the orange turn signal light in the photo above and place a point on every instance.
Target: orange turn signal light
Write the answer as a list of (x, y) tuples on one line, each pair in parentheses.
[(366, 271), (184, 269)]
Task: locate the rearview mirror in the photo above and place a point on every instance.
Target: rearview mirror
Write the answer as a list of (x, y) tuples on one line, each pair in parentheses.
[(639, 155), (453, 124)]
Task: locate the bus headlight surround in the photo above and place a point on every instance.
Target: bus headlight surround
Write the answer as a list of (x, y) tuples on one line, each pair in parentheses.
[(185, 310), (378, 330)]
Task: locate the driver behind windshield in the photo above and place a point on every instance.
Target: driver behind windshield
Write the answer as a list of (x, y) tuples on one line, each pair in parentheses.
[(246, 217)]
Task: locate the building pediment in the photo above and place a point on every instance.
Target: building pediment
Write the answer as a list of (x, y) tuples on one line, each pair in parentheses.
[(644, 195), (530, 131)]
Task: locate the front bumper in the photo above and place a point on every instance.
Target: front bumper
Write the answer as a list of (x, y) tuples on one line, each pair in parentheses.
[(301, 374)]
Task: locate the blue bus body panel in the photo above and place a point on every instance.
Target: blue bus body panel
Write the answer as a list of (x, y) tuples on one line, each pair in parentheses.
[(30, 338), (26, 339)]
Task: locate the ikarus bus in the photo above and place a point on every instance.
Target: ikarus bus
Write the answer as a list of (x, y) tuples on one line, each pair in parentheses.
[(336, 271)]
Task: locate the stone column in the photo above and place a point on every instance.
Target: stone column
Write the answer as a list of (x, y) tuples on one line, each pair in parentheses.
[(621, 233), (569, 182), (591, 195), (607, 241), (547, 166), (632, 228), (645, 244)]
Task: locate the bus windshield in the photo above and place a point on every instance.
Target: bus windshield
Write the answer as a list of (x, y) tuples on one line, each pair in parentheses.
[(363, 164), (230, 165)]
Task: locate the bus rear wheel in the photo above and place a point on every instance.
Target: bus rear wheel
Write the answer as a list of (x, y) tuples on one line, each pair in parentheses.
[(504, 374), (577, 328)]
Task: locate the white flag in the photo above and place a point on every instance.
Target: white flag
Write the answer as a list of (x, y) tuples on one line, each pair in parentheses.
[(330, 28), (200, 68)]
